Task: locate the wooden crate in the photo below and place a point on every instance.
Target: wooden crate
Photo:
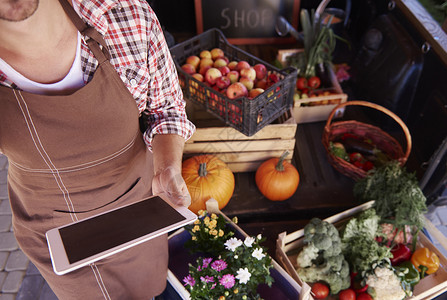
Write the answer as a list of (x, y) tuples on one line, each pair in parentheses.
[(288, 245), (314, 109), (240, 152)]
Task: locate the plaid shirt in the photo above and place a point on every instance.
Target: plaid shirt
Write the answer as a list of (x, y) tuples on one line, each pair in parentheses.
[(141, 57)]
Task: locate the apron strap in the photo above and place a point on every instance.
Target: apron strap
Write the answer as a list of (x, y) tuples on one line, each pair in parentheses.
[(94, 37)]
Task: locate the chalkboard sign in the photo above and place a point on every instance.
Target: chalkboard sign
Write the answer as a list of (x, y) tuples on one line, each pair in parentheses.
[(246, 21)]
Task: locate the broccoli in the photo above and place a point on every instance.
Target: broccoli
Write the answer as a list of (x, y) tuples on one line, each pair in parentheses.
[(321, 257)]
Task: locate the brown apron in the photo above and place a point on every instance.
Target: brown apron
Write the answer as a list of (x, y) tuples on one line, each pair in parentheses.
[(72, 156)]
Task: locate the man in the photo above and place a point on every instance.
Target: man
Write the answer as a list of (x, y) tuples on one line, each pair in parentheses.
[(69, 127)]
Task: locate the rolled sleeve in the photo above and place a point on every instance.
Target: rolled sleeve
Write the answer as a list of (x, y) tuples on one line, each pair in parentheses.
[(165, 109)]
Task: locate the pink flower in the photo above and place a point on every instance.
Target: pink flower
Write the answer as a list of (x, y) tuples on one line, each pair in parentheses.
[(205, 264), (219, 265), (227, 281), (189, 280), (207, 279)]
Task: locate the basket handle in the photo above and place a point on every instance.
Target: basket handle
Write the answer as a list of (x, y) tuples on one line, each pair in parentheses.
[(382, 109)]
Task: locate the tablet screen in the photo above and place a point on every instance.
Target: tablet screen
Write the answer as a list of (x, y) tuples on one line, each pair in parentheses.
[(95, 235)]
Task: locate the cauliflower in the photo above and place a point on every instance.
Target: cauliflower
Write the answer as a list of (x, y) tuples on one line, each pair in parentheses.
[(321, 257), (385, 285)]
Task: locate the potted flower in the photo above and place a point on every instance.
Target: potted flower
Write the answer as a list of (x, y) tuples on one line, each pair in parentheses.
[(214, 259)]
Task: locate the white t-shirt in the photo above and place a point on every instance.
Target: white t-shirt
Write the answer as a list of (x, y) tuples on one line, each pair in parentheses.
[(72, 81)]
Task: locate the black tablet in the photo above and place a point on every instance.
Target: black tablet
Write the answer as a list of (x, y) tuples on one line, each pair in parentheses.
[(78, 244)]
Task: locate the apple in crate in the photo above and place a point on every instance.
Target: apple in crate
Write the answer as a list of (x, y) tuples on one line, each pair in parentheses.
[(224, 70), (255, 92), (202, 70), (248, 82), (220, 62), (205, 54), (234, 76), (217, 53), (248, 72), (188, 68), (223, 82), (237, 90), (212, 75), (232, 65), (193, 60), (242, 65), (198, 76), (206, 62), (261, 71), (262, 84)]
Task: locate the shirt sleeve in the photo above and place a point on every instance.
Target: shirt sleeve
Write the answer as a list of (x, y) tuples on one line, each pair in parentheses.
[(165, 110)]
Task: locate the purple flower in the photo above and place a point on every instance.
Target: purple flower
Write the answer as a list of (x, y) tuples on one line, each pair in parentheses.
[(189, 280), (219, 265), (206, 262), (227, 281), (206, 279)]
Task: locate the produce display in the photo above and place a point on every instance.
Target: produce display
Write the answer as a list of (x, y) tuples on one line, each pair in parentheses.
[(206, 176), (234, 79), (378, 245)]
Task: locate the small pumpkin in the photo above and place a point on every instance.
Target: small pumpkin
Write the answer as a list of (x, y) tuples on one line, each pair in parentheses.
[(277, 179), (207, 176)]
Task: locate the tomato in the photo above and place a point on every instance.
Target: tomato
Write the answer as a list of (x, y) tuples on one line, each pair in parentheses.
[(347, 294), (314, 82), (301, 83), (364, 296), (320, 290), (356, 156), (368, 166)]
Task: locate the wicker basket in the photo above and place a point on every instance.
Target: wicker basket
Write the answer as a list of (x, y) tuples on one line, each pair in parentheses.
[(379, 138)]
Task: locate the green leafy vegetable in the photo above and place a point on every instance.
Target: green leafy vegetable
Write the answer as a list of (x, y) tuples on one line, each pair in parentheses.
[(398, 198), (359, 246)]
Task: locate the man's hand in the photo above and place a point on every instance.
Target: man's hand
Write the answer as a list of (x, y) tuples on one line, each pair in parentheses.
[(168, 180), (170, 183)]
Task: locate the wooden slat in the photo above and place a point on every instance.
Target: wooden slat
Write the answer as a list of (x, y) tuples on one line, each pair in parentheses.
[(239, 157), (245, 166), (238, 146), (273, 131)]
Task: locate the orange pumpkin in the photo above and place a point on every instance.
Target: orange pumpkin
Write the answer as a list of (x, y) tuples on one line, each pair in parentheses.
[(206, 177), (277, 179)]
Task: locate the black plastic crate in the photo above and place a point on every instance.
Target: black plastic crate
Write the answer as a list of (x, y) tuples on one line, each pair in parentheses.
[(245, 115)]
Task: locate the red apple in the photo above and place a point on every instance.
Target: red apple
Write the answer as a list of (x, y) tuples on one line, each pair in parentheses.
[(216, 53), (232, 65), (188, 68), (211, 75), (236, 90), (193, 60), (198, 76), (219, 62), (248, 72), (224, 70), (262, 84), (203, 69), (223, 82), (248, 82), (273, 78), (242, 65), (233, 75), (205, 54), (255, 92), (261, 71), (206, 62)]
